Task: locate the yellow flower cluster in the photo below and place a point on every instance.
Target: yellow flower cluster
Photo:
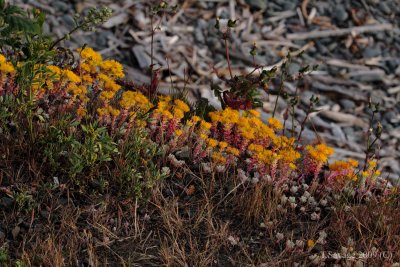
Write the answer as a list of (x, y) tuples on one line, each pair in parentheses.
[(88, 55), (263, 155), (212, 142), (135, 101), (112, 68), (71, 76), (171, 110), (320, 153), (6, 67), (289, 155), (251, 128), (226, 116), (249, 124), (233, 150), (54, 72), (108, 111), (371, 169), (345, 166), (178, 132), (275, 124), (218, 158), (193, 120), (109, 87)]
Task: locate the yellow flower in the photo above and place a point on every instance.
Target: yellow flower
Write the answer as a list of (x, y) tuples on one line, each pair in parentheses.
[(77, 90), (320, 153), (102, 111), (218, 157), (255, 147), (289, 155), (372, 164), (89, 54), (365, 174), (164, 98), (88, 68), (112, 68), (254, 113), (55, 71), (292, 166), (347, 166), (107, 95), (212, 142), (114, 112), (233, 151), (6, 67), (353, 162), (72, 77), (178, 132), (178, 113), (195, 119), (275, 124), (227, 116), (247, 133), (222, 144), (87, 78), (310, 243), (168, 115), (203, 136), (135, 100), (339, 165), (181, 105), (205, 125), (81, 112)]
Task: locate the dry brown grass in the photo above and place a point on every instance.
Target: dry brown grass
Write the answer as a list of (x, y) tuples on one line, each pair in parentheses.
[(221, 223)]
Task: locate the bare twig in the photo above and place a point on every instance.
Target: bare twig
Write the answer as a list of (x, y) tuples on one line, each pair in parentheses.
[(339, 32)]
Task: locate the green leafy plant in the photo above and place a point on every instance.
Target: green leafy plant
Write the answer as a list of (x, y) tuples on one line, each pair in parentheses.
[(16, 24), (137, 169), (3, 256), (81, 151), (96, 147)]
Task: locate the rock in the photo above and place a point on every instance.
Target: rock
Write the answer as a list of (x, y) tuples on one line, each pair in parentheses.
[(322, 49), (385, 7), (340, 13), (261, 4), (142, 58), (102, 38), (198, 35), (68, 20), (293, 68), (372, 52), (380, 36), (390, 116), (393, 64), (347, 104), (289, 5), (201, 23), (61, 6), (2, 235), (308, 136)]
